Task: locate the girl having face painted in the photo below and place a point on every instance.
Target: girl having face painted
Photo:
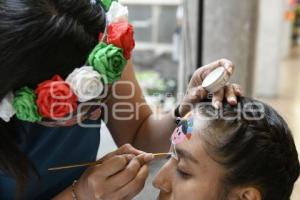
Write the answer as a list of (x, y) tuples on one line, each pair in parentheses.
[(243, 152)]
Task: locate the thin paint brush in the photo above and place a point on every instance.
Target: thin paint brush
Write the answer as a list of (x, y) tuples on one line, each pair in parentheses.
[(156, 156)]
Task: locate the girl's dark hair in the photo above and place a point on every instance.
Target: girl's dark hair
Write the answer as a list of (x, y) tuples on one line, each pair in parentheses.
[(40, 38), (255, 147)]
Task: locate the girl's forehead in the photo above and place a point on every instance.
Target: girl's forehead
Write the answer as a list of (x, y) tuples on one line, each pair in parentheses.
[(196, 147), (200, 123)]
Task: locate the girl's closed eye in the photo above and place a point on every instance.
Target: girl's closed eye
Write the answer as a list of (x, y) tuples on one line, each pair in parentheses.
[(182, 171), (182, 174)]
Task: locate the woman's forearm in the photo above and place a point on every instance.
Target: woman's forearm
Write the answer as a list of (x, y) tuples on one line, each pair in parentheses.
[(131, 120), (65, 195), (155, 132)]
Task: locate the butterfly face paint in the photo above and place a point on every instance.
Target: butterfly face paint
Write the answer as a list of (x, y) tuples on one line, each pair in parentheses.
[(184, 129)]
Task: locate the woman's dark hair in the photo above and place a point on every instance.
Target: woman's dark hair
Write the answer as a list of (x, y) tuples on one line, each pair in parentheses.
[(38, 39), (255, 147)]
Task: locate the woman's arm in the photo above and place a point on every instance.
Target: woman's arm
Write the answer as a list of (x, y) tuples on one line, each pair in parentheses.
[(131, 120), (65, 195)]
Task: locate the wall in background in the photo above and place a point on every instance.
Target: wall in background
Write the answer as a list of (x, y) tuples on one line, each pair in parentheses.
[(230, 32), (272, 46)]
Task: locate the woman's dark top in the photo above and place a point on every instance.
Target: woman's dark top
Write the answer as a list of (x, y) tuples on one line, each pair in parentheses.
[(49, 147)]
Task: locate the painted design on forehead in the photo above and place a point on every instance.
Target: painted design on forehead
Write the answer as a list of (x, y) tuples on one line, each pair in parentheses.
[(183, 130)]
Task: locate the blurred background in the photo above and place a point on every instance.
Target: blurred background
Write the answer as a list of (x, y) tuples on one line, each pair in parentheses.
[(175, 37)]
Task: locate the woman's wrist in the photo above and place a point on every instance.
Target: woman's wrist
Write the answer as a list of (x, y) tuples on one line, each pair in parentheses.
[(78, 190), (74, 191), (64, 195)]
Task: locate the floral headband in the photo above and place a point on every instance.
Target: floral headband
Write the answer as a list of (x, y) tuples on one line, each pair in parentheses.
[(57, 98)]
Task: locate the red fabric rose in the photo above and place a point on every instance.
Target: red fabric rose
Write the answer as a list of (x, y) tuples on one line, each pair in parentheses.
[(121, 35), (55, 98)]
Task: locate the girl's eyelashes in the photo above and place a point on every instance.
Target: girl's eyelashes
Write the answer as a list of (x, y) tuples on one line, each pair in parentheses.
[(182, 174)]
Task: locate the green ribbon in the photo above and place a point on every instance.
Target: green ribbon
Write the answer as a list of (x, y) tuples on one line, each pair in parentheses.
[(109, 61), (106, 4), (25, 106)]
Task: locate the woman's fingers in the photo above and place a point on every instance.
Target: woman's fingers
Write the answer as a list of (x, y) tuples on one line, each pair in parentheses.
[(218, 99), (193, 96), (196, 93), (130, 190), (104, 181), (237, 89), (200, 93), (227, 64), (127, 175), (230, 94), (113, 165), (129, 149), (125, 149)]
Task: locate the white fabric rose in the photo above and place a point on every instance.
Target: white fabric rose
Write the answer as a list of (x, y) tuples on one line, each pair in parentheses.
[(117, 12), (6, 107), (85, 83)]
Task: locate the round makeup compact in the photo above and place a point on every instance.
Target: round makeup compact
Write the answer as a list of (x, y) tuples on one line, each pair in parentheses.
[(216, 80)]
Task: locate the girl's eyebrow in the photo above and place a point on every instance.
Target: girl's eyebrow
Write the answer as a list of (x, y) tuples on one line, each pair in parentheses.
[(186, 155)]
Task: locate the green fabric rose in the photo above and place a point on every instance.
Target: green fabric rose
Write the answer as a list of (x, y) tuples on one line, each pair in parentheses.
[(109, 61), (106, 4), (24, 105)]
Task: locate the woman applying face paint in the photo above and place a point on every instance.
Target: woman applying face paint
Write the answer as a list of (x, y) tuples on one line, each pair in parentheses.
[(40, 39)]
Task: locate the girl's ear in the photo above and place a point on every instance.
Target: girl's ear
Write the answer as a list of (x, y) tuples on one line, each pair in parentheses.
[(246, 193)]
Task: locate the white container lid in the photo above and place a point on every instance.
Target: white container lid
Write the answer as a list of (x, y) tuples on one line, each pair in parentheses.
[(216, 80)]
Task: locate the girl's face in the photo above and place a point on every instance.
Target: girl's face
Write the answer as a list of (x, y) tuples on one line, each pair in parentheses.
[(193, 175)]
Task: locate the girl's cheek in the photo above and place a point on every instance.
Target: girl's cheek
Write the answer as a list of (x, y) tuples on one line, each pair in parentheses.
[(186, 190)]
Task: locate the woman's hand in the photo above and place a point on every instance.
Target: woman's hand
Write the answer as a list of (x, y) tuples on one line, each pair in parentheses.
[(195, 92), (121, 176)]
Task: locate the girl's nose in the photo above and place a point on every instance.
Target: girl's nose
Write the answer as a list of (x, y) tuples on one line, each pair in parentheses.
[(163, 180)]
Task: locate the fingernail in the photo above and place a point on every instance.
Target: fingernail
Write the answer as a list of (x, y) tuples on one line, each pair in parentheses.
[(199, 87), (240, 92), (232, 100), (130, 156), (148, 157), (229, 69), (217, 105)]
